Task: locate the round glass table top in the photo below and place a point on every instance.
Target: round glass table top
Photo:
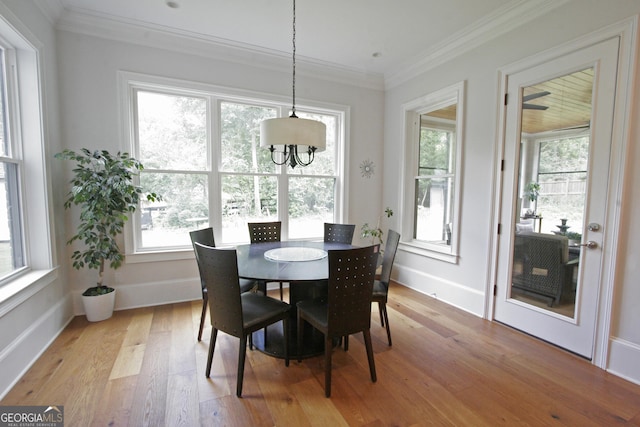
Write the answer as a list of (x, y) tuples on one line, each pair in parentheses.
[(295, 254)]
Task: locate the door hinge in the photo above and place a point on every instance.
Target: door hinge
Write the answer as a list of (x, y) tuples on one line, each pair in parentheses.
[(506, 98), (499, 228), (495, 290), (502, 165)]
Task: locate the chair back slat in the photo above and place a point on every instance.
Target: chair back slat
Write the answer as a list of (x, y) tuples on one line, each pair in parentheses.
[(390, 249), (205, 237), (261, 232), (339, 233), (219, 268), (350, 285)]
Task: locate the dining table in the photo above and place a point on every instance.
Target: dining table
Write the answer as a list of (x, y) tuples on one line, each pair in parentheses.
[(305, 266)]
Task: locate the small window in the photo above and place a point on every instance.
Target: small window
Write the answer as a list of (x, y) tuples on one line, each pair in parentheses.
[(432, 158)]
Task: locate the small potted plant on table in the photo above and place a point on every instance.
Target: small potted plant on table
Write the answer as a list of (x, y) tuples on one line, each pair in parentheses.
[(103, 186)]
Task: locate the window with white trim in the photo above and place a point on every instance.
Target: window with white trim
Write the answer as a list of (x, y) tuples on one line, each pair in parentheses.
[(201, 152), (433, 153), (25, 244)]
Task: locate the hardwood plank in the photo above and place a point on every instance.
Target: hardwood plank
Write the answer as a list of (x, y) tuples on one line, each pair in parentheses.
[(115, 403), (182, 392)]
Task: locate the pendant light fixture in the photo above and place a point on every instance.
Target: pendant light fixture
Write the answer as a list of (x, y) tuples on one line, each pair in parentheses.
[(300, 138)]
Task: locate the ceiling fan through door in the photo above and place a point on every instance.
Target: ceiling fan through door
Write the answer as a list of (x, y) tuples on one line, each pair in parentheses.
[(527, 98)]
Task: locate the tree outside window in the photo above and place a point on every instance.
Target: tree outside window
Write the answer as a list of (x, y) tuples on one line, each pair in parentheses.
[(203, 154)]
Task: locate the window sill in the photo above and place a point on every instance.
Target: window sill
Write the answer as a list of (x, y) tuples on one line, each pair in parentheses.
[(24, 287), (159, 256), (430, 251)]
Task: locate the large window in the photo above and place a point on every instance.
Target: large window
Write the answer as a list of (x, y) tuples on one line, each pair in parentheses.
[(201, 151), (432, 160)]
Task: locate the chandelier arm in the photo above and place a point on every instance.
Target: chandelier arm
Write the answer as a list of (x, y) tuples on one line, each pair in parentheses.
[(286, 156), (310, 153)]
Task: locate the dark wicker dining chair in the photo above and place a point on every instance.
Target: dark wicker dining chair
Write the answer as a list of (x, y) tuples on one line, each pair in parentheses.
[(205, 237), (347, 309), (339, 233), (381, 285), (235, 313), (264, 232)]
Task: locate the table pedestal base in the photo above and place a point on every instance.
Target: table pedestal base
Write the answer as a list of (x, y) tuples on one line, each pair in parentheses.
[(272, 343)]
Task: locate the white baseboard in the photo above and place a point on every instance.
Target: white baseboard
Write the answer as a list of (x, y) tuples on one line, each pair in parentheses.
[(452, 293), (623, 360), (17, 357)]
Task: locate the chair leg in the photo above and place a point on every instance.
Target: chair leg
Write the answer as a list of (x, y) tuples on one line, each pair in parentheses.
[(328, 347), (346, 343), (383, 310), (281, 292), (242, 351), (380, 312), (212, 346), (202, 317), (285, 331), (372, 363)]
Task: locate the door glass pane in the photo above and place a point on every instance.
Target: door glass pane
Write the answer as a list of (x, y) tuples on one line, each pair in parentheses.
[(553, 172)]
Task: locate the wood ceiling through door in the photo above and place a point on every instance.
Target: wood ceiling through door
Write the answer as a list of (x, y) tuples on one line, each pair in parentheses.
[(568, 102)]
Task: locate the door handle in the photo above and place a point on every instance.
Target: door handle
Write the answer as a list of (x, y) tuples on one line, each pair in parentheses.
[(590, 244)]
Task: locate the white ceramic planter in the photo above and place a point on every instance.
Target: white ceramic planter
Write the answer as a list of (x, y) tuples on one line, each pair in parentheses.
[(99, 307)]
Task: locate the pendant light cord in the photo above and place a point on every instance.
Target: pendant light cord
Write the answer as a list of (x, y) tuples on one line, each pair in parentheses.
[(293, 106)]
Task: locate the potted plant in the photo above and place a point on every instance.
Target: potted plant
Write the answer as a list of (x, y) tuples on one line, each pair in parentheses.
[(533, 191), (375, 233), (103, 186)]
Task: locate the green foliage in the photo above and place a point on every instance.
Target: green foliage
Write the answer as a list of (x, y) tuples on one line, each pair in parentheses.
[(375, 233), (104, 189), (533, 190), (572, 235)]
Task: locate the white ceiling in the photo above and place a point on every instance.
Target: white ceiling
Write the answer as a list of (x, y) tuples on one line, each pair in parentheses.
[(372, 36)]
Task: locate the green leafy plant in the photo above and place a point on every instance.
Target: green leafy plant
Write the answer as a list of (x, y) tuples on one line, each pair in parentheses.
[(572, 235), (103, 186), (533, 191), (375, 233)]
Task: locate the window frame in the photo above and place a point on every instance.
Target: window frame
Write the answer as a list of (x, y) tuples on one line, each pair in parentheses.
[(412, 111), (28, 128), (130, 82)]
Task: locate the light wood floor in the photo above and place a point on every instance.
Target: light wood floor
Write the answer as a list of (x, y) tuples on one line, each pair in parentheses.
[(446, 367)]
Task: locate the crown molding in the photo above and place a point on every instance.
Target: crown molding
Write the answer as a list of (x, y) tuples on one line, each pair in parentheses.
[(157, 36), (503, 20), (51, 9)]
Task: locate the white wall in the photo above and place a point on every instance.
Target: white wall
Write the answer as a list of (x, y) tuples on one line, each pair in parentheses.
[(464, 284), (89, 68)]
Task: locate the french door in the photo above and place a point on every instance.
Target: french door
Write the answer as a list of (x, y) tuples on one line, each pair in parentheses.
[(558, 132)]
